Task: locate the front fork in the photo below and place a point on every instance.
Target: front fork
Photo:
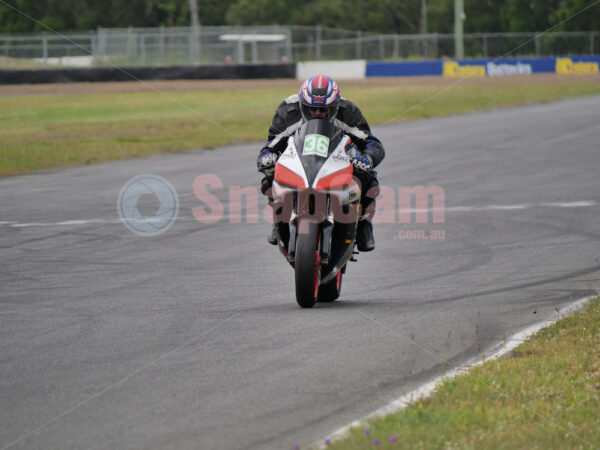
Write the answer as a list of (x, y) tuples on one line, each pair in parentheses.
[(309, 213)]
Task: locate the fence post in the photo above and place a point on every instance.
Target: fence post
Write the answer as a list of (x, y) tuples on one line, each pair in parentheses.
[(161, 45), (358, 44), (45, 48), (254, 45), (190, 37), (94, 47), (240, 51), (536, 40), (381, 48), (396, 50), (143, 48), (101, 38), (485, 46), (591, 43), (130, 45), (318, 38), (288, 44), (194, 44)]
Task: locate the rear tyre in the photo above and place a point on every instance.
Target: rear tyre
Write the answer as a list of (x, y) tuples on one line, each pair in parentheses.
[(307, 266), (331, 290)]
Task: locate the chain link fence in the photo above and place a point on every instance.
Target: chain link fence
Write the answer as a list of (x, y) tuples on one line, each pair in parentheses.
[(269, 44)]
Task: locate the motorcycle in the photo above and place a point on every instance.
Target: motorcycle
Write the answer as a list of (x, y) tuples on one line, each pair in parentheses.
[(316, 209)]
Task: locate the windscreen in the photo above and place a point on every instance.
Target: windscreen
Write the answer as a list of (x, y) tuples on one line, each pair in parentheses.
[(315, 141)]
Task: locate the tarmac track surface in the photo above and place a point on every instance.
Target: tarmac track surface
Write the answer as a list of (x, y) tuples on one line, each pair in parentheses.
[(193, 339)]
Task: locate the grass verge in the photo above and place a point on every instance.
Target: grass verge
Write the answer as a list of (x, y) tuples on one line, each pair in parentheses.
[(544, 395), (58, 130)]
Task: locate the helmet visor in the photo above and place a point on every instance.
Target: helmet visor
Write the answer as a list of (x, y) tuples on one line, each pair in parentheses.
[(319, 112)]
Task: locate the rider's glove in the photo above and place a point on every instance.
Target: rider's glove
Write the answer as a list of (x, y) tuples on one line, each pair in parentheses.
[(362, 162), (266, 162)]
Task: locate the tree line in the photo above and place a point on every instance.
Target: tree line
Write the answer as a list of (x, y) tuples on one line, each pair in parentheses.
[(378, 16)]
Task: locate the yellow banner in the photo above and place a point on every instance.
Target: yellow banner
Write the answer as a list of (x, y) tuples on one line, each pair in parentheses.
[(566, 66), (453, 69)]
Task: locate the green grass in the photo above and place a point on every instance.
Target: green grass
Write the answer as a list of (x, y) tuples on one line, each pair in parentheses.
[(48, 131), (545, 395)]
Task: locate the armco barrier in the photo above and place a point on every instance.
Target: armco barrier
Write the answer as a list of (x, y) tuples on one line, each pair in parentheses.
[(337, 69), (486, 67), (237, 71)]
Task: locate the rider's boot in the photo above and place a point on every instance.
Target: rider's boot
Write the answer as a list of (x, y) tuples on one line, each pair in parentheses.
[(364, 236), (272, 238)]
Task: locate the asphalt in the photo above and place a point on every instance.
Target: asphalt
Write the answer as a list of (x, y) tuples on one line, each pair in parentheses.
[(193, 339)]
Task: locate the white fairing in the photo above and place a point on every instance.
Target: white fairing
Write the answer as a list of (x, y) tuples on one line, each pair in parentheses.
[(338, 160), (290, 160)]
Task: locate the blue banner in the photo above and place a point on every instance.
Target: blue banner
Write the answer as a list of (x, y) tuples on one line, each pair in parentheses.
[(403, 69), (575, 65)]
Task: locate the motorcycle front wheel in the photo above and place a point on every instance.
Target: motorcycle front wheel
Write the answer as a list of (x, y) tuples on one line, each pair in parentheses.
[(307, 265)]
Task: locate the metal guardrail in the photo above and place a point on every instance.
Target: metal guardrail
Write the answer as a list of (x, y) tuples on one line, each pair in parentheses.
[(268, 44)]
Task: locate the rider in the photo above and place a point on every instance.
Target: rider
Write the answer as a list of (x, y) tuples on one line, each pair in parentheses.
[(319, 97)]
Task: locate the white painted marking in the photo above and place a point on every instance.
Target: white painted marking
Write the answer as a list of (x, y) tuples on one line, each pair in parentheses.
[(425, 390), (574, 204), (74, 222), (581, 204), (507, 207), (25, 225), (577, 204)]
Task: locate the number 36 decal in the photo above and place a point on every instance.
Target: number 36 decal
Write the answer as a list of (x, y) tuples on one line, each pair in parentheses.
[(316, 144)]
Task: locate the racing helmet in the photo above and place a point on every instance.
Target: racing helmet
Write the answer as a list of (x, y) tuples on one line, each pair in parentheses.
[(319, 93)]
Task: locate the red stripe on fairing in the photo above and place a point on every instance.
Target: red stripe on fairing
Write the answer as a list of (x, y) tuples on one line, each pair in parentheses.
[(286, 176), (337, 179)]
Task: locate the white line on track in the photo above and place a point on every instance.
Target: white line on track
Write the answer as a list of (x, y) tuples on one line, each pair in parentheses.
[(574, 204), (577, 204), (425, 390), (570, 205)]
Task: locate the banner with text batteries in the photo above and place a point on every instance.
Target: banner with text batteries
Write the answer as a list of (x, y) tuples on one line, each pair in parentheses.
[(568, 65)]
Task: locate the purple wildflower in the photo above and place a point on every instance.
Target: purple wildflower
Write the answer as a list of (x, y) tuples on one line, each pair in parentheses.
[(376, 442), (393, 438), (367, 432), (327, 441)]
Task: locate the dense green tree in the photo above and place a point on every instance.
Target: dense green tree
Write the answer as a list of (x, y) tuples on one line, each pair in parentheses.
[(482, 16), (62, 15), (259, 12), (377, 16), (528, 15), (576, 15)]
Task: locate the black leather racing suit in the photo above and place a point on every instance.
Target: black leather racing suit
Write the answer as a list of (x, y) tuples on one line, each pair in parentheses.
[(288, 119)]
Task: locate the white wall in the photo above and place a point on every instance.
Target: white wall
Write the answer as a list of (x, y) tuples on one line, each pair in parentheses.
[(338, 70)]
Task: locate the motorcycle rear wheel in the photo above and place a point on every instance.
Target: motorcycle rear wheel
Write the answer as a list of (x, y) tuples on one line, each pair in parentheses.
[(331, 290)]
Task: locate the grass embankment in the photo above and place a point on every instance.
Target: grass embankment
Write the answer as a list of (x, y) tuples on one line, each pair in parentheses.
[(545, 395), (57, 130)]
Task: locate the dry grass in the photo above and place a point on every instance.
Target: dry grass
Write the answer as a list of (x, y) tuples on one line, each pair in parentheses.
[(51, 126)]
